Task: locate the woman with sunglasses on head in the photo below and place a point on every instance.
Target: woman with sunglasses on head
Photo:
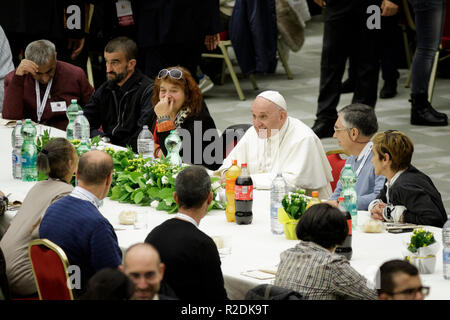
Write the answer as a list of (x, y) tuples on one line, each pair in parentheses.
[(409, 195), (178, 104), (59, 161)]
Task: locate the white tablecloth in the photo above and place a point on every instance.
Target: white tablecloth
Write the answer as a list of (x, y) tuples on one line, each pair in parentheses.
[(253, 246)]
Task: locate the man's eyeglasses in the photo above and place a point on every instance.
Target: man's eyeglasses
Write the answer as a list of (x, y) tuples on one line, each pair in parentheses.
[(340, 129), (173, 73), (413, 291)]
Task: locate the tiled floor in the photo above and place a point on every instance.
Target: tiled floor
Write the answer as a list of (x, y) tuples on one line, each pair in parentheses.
[(432, 144)]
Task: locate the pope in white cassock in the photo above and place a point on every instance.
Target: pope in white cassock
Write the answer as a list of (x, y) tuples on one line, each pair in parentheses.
[(279, 143)]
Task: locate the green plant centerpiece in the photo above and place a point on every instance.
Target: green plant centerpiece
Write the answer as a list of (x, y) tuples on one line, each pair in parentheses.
[(293, 208), (145, 182), (148, 181), (421, 250)]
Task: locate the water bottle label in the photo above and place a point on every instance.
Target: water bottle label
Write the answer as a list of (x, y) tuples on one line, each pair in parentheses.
[(243, 192), (28, 161), (446, 237), (446, 256), (15, 159), (145, 146), (274, 212)]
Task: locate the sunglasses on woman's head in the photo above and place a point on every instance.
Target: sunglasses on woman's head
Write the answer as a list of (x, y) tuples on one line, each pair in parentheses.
[(173, 73)]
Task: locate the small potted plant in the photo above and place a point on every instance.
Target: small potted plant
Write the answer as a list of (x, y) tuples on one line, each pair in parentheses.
[(294, 206), (421, 250)]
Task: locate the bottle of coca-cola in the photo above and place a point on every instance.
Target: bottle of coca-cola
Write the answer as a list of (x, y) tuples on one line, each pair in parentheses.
[(345, 249), (243, 196)]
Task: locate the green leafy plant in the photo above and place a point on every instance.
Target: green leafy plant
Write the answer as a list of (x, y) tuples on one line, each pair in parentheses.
[(147, 182), (295, 204), (420, 238)]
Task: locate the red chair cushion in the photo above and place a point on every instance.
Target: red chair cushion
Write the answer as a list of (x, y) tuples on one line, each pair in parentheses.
[(337, 163), (50, 273)]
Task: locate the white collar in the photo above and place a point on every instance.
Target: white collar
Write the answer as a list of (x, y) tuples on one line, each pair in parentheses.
[(366, 149), (83, 194), (187, 218), (394, 178), (156, 297)]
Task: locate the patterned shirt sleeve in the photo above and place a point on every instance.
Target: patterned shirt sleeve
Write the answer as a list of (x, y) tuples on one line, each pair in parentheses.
[(347, 282)]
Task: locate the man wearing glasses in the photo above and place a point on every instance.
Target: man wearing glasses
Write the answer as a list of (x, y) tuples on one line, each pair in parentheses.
[(355, 126), (122, 105), (400, 280)]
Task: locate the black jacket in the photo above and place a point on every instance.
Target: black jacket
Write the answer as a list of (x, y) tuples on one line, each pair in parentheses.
[(212, 157), (415, 190), (121, 111)]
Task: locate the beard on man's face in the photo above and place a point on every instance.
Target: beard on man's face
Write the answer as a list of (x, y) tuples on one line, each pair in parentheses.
[(116, 77)]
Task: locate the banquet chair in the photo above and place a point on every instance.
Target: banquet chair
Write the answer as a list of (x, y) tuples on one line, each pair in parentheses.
[(50, 264), (337, 162), (231, 136)]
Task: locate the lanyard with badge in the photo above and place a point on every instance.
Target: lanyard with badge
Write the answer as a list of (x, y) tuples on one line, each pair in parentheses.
[(124, 13), (366, 156), (41, 106)]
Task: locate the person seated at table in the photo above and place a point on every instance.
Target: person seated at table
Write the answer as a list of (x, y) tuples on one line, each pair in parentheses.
[(121, 106), (58, 160), (109, 284), (280, 143), (143, 265), (179, 105), (355, 126), (400, 280), (191, 257), (311, 267), (42, 87), (76, 225), (409, 195)]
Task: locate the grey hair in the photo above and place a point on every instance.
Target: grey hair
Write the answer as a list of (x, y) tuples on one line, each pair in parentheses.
[(193, 186), (361, 117), (40, 52)]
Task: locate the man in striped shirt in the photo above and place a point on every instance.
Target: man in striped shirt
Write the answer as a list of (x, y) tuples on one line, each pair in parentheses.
[(311, 267)]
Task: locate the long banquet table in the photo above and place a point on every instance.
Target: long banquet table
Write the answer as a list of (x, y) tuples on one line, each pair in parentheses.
[(253, 246)]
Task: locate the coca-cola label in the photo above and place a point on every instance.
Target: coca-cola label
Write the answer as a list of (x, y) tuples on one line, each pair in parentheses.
[(349, 222), (243, 192)]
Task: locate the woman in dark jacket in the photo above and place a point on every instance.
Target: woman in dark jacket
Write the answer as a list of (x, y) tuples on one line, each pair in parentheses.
[(179, 105)]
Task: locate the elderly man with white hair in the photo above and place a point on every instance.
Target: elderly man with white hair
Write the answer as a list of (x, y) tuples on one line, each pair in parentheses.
[(41, 88), (278, 143)]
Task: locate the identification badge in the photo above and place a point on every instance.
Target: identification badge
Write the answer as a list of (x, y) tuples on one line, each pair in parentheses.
[(124, 13), (58, 106)]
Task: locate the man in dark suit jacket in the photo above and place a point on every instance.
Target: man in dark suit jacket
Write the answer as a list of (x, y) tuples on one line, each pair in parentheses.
[(191, 257)]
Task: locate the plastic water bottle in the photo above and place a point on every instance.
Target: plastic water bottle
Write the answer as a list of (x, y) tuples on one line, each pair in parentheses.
[(345, 249), (72, 112), (277, 192), (81, 129), (16, 142), (173, 146), (28, 152), (82, 148), (348, 181), (145, 143), (446, 248)]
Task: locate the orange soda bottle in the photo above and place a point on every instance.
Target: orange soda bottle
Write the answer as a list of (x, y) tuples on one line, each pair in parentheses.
[(230, 178), (314, 200)]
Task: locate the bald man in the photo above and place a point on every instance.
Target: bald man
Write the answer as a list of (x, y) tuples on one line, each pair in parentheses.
[(143, 265), (279, 143), (76, 225)]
